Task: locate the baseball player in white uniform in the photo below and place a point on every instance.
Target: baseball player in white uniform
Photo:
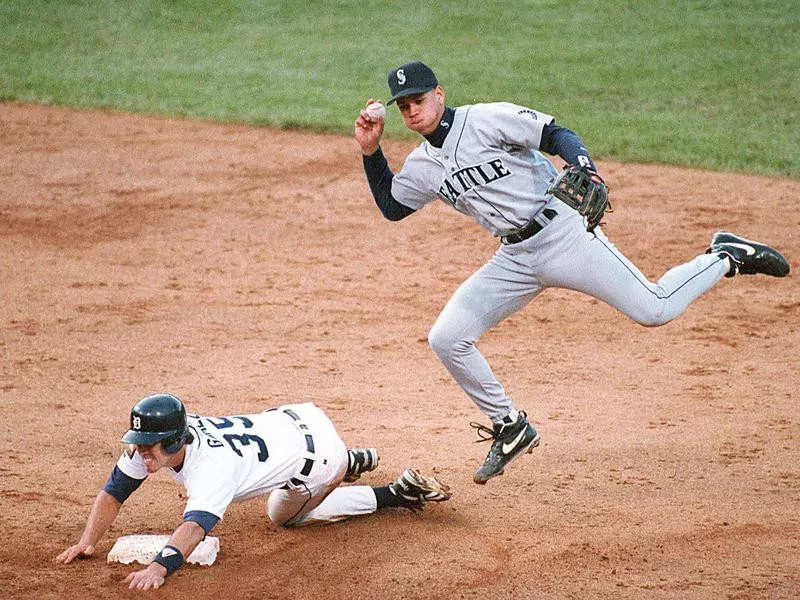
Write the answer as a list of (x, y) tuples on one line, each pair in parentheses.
[(293, 453), (485, 161)]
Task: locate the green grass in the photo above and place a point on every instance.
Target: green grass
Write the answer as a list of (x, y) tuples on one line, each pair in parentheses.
[(709, 84)]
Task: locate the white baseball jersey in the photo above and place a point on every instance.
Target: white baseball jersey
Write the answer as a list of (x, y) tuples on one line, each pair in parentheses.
[(233, 458), (488, 168)]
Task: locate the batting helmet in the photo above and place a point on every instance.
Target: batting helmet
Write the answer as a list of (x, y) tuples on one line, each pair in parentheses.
[(159, 418)]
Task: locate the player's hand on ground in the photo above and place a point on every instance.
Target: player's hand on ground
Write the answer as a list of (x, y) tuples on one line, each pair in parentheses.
[(368, 130), (73, 552), (146, 579)]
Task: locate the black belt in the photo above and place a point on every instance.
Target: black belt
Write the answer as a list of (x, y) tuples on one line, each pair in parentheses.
[(531, 229), (309, 463)]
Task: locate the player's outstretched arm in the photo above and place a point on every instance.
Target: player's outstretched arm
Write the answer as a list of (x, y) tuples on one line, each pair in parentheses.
[(368, 130), (180, 546), (104, 510)]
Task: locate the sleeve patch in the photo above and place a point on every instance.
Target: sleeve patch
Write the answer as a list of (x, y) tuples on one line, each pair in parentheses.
[(527, 111)]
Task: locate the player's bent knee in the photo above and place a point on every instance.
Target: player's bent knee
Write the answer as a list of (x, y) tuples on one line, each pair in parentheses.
[(440, 344), (652, 319), (446, 346), (650, 311), (278, 519), (276, 509)]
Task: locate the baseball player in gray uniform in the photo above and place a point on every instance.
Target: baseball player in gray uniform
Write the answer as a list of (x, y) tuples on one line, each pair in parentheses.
[(485, 161), (293, 453)]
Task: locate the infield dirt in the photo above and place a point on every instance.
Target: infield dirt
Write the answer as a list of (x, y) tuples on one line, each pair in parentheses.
[(241, 268)]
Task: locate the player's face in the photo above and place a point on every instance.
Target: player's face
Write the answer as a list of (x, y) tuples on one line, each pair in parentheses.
[(422, 112), (153, 456)]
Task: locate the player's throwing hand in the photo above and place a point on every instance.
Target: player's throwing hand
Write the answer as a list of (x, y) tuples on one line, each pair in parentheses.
[(368, 130)]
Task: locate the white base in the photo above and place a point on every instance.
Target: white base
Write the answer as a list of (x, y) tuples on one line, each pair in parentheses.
[(143, 549)]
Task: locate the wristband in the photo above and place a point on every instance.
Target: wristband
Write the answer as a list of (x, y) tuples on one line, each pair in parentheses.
[(170, 558)]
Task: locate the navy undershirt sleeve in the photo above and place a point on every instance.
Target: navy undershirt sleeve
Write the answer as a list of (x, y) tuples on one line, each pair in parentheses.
[(121, 486), (563, 142), (205, 519), (379, 177)]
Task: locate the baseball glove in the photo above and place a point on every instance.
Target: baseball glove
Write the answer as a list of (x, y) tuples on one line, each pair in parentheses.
[(583, 190)]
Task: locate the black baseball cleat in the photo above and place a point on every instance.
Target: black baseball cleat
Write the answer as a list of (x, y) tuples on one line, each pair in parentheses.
[(510, 440), (360, 460), (748, 257)]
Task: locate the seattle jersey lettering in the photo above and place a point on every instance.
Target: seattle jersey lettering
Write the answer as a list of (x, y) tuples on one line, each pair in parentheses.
[(472, 177)]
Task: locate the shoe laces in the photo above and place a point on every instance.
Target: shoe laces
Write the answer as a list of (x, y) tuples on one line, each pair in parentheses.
[(484, 433), (489, 433)]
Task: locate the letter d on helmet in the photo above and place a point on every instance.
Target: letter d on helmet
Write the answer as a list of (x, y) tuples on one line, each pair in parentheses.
[(158, 418)]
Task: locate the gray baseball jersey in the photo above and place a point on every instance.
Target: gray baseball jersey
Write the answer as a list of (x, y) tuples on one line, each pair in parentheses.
[(488, 168)]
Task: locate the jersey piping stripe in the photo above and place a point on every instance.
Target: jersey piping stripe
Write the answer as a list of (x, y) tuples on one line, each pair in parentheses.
[(300, 510), (499, 212), (432, 157), (460, 135), (455, 158), (644, 285)]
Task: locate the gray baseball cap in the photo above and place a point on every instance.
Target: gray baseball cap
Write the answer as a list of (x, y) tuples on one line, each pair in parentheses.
[(411, 78)]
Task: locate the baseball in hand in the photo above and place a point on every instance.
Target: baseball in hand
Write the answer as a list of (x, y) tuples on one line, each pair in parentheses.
[(376, 110)]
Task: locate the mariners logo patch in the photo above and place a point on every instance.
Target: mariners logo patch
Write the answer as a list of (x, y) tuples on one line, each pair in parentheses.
[(401, 76)]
